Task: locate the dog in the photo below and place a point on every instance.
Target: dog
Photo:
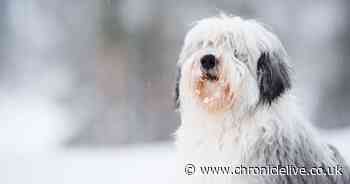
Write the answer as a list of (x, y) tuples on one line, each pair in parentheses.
[(233, 95)]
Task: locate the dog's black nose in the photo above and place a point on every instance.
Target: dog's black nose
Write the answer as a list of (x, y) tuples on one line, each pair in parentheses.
[(208, 61)]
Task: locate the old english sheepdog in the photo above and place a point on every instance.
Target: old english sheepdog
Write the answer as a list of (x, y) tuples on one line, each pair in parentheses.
[(233, 94)]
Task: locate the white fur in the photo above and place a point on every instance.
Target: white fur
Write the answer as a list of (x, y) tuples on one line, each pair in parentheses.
[(228, 137)]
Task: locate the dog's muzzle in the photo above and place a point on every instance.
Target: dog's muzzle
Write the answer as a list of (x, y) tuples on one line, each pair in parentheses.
[(211, 86)]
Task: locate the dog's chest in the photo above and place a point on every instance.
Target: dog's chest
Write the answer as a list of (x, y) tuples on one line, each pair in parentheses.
[(208, 150)]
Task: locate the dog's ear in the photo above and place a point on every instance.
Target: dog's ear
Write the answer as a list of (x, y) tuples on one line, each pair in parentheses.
[(177, 89), (273, 77)]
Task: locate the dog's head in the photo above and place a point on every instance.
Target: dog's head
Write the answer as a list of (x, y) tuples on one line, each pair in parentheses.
[(227, 62)]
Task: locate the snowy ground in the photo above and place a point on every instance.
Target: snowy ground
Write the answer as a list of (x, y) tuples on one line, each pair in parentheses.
[(134, 164), (150, 164)]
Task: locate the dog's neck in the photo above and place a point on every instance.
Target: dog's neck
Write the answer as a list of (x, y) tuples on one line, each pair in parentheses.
[(237, 121), (238, 134)]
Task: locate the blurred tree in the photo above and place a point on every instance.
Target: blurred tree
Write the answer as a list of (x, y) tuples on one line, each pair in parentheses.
[(333, 110)]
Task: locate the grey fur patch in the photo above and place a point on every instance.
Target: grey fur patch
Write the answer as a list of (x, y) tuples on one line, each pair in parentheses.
[(273, 77), (177, 89), (279, 152)]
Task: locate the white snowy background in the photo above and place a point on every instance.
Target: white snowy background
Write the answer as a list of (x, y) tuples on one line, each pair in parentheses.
[(86, 86)]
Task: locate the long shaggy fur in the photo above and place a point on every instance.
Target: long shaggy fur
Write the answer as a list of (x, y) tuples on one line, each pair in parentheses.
[(255, 120)]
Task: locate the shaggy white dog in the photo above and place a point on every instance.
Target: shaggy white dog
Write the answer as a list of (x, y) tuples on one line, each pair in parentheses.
[(236, 109)]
